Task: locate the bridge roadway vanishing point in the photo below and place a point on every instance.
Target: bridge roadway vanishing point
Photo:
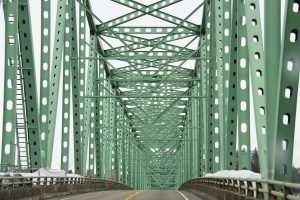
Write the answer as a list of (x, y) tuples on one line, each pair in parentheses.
[(151, 100)]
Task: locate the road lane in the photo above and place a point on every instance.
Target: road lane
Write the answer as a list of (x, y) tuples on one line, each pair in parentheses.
[(133, 195), (165, 195), (103, 195)]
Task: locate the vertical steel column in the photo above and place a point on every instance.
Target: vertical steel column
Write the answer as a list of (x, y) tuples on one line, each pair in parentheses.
[(100, 147), (79, 84), (199, 133), (125, 153), (89, 112), (203, 102), (217, 36), (65, 134), (243, 85), (140, 180), (127, 161), (90, 108), (210, 89), (98, 121), (91, 155), (29, 83), (272, 47), (55, 77), (227, 50), (229, 82), (117, 142), (122, 153), (10, 82), (131, 163), (136, 166), (77, 93), (187, 151), (202, 75), (45, 74), (106, 143), (195, 132), (182, 163), (190, 141), (258, 77), (288, 93), (112, 132)]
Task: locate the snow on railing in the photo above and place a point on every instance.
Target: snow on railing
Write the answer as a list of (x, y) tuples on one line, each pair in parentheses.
[(235, 174)]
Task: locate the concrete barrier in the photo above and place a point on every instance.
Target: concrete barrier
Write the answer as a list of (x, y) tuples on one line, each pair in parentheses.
[(50, 191), (212, 193), (51, 187), (212, 188)]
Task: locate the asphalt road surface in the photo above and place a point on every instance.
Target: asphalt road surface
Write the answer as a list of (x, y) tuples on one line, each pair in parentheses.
[(133, 195)]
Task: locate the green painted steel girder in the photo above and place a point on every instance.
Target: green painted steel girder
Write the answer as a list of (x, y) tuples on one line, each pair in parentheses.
[(66, 96), (27, 72), (257, 74), (10, 82), (54, 79), (45, 74), (230, 82), (288, 91), (169, 103), (243, 93)]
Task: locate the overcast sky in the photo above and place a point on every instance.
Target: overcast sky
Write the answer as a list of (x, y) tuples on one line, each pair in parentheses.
[(107, 10)]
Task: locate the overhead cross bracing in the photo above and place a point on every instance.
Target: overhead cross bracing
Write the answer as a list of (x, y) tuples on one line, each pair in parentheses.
[(129, 84), (153, 80), (150, 97)]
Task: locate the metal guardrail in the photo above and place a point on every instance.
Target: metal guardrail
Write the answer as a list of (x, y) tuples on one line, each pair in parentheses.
[(252, 188), (10, 183), (9, 168)]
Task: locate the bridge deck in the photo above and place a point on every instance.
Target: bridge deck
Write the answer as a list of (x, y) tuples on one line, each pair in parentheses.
[(134, 195)]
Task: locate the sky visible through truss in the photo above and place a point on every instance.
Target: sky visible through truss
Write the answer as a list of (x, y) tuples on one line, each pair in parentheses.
[(107, 10)]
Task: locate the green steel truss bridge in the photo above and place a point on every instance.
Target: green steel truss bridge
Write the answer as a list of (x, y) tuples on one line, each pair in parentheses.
[(148, 112)]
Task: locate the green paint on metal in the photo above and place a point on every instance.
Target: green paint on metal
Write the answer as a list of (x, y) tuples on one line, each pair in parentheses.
[(272, 48), (258, 79), (288, 91), (88, 148), (10, 83), (26, 78), (66, 99), (243, 93), (55, 78), (217, 24), (45, 74), (231, 86), (136, 113)]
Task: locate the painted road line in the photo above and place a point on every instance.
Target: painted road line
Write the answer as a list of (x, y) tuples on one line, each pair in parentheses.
[(75, 196), (185, 198), (133, 195)]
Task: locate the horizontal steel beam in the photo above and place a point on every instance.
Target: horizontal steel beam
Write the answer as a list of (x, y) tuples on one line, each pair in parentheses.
[(150, 80), (146, 97), (146, 30), (143, 58)]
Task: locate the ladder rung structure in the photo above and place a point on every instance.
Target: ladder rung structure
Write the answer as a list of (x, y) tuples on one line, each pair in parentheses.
[(21, 123)]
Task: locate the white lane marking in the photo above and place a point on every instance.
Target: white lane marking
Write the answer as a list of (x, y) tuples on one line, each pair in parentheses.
[(185, 198), (75, 196)]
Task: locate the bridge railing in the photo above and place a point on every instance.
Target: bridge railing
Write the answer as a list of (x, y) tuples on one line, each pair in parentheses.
[(10, 183), (247, 188)]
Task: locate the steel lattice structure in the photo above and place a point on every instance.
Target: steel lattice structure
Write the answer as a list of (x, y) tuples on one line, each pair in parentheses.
[(152, 123)]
